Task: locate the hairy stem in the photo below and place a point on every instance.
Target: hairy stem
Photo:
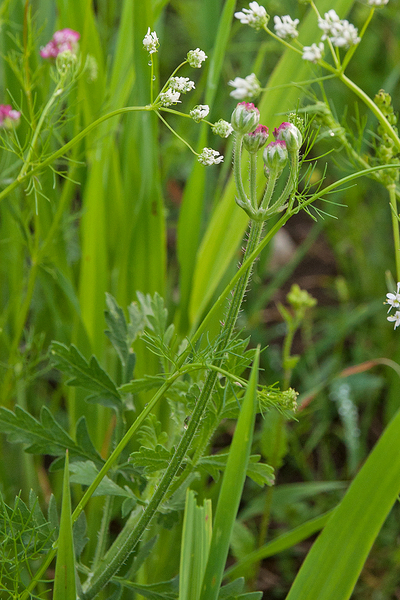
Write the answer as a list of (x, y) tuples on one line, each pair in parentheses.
[(128, 540)]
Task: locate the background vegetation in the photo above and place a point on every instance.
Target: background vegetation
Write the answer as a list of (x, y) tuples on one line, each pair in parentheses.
[(130, 209)]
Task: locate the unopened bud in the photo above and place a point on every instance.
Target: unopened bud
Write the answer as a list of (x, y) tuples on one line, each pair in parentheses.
[(254, 140), (275, 156), (289, 133), (245, 117)]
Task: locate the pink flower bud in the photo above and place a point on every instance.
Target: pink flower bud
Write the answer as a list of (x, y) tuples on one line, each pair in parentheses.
[(62, 40), (8, 117), (254, 140), (287, 132), (245, 117), (275, 156)]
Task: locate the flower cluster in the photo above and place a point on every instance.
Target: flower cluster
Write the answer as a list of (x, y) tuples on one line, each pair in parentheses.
[(341, 33), (249, 87), (196, 57), (256, 16), (394, 302), (181, 84), (150, 41), (210, 157), (285, 27), (199, 112), (313, 53), (64, 40), (169, 97), (377, 2), (8, 116), (222, 128)]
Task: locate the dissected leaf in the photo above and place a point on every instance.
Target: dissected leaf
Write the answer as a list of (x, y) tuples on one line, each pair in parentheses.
[(120, 335), (148, 382), (47, 436), (260, 473), (152, 459), (86, 472), (88, 375)]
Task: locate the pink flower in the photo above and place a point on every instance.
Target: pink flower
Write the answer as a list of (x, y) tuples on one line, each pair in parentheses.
[(8, 116), (62, 40)]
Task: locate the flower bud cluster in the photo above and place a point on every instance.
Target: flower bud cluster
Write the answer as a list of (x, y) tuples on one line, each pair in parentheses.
[(150, 41)]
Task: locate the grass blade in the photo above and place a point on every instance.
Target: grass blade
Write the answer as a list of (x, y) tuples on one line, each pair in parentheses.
[(231, 489), (64, 581), (334, 563)]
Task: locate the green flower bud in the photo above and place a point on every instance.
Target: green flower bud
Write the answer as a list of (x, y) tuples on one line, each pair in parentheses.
[(289, 133), (245, 117), (254, 140), (275, 156)]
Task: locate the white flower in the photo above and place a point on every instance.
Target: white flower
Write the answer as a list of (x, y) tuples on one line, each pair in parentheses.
[(285, 27), (256, 16), (199, 112), (181, 84), (222, 128), (150, 41), (395, 318), (313, 53), (196, 57), (377, 2), (249, 87), (169, 97), (210, 157), (394, 299), (341, 33)]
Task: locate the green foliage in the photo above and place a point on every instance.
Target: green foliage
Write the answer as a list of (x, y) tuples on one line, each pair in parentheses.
[(47, 436), (88, 375)]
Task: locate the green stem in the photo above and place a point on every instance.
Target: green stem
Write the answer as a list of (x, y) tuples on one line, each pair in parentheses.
[(237, 167), (253, 179), (127, 540), (395, 224), (373, 107)]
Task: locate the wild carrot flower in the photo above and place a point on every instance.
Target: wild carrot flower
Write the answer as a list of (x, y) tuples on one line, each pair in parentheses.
[(62, 41), (313, 53), (210, 157), (150, 41), (199, 112), (196, 57), (256, 16), (395, 318), (181, 84), (249, 87), (285, 27), (377, 2), (8, 116), (222, 128), (341, 33), (169, 97)]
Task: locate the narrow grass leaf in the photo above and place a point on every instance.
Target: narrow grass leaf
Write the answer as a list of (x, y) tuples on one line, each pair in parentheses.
[(64, 580), (196, 538), (231, 489), (334, 563)]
